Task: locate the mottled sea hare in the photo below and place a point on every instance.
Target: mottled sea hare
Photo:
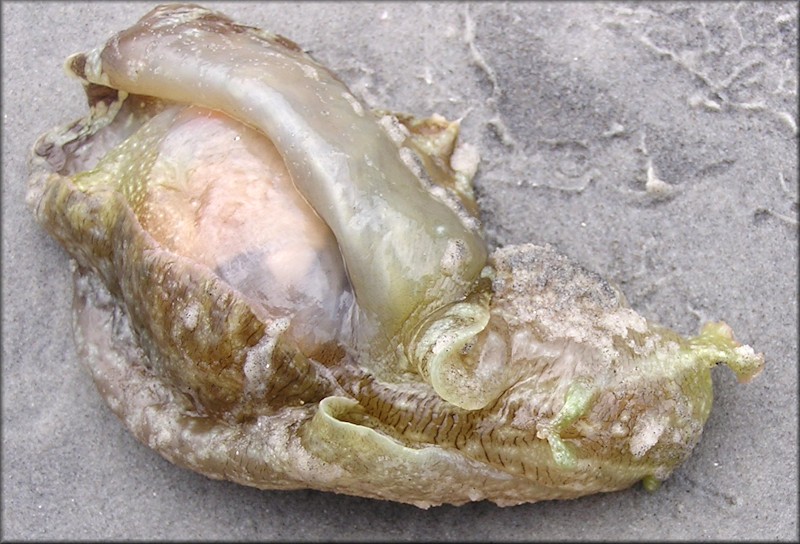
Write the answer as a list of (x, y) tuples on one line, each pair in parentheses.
[(277, 286)]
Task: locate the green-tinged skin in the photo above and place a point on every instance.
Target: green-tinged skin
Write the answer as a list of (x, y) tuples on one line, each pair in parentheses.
[(415, 367)]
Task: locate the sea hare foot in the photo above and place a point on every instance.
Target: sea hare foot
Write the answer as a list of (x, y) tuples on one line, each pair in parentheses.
[(277, 286)]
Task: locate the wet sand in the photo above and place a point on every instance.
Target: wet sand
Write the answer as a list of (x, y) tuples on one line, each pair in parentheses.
[(653, 143)]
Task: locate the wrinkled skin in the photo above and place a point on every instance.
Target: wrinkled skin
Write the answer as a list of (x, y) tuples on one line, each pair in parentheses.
[(276, 286)]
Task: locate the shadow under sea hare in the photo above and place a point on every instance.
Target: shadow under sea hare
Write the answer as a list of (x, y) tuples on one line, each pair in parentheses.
[(276, 286)]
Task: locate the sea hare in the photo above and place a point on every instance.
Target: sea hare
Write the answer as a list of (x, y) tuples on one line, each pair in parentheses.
[(277, 286)]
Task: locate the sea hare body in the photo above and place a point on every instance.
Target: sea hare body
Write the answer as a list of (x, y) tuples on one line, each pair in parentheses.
[(279, 287)]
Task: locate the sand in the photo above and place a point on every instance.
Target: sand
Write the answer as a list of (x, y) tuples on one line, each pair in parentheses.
[(653, 143)]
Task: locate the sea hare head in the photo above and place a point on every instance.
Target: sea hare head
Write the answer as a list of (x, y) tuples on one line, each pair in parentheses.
[(277, 286)]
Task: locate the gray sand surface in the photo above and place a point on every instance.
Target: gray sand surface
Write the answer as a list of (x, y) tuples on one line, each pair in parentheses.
[(653, 143)]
